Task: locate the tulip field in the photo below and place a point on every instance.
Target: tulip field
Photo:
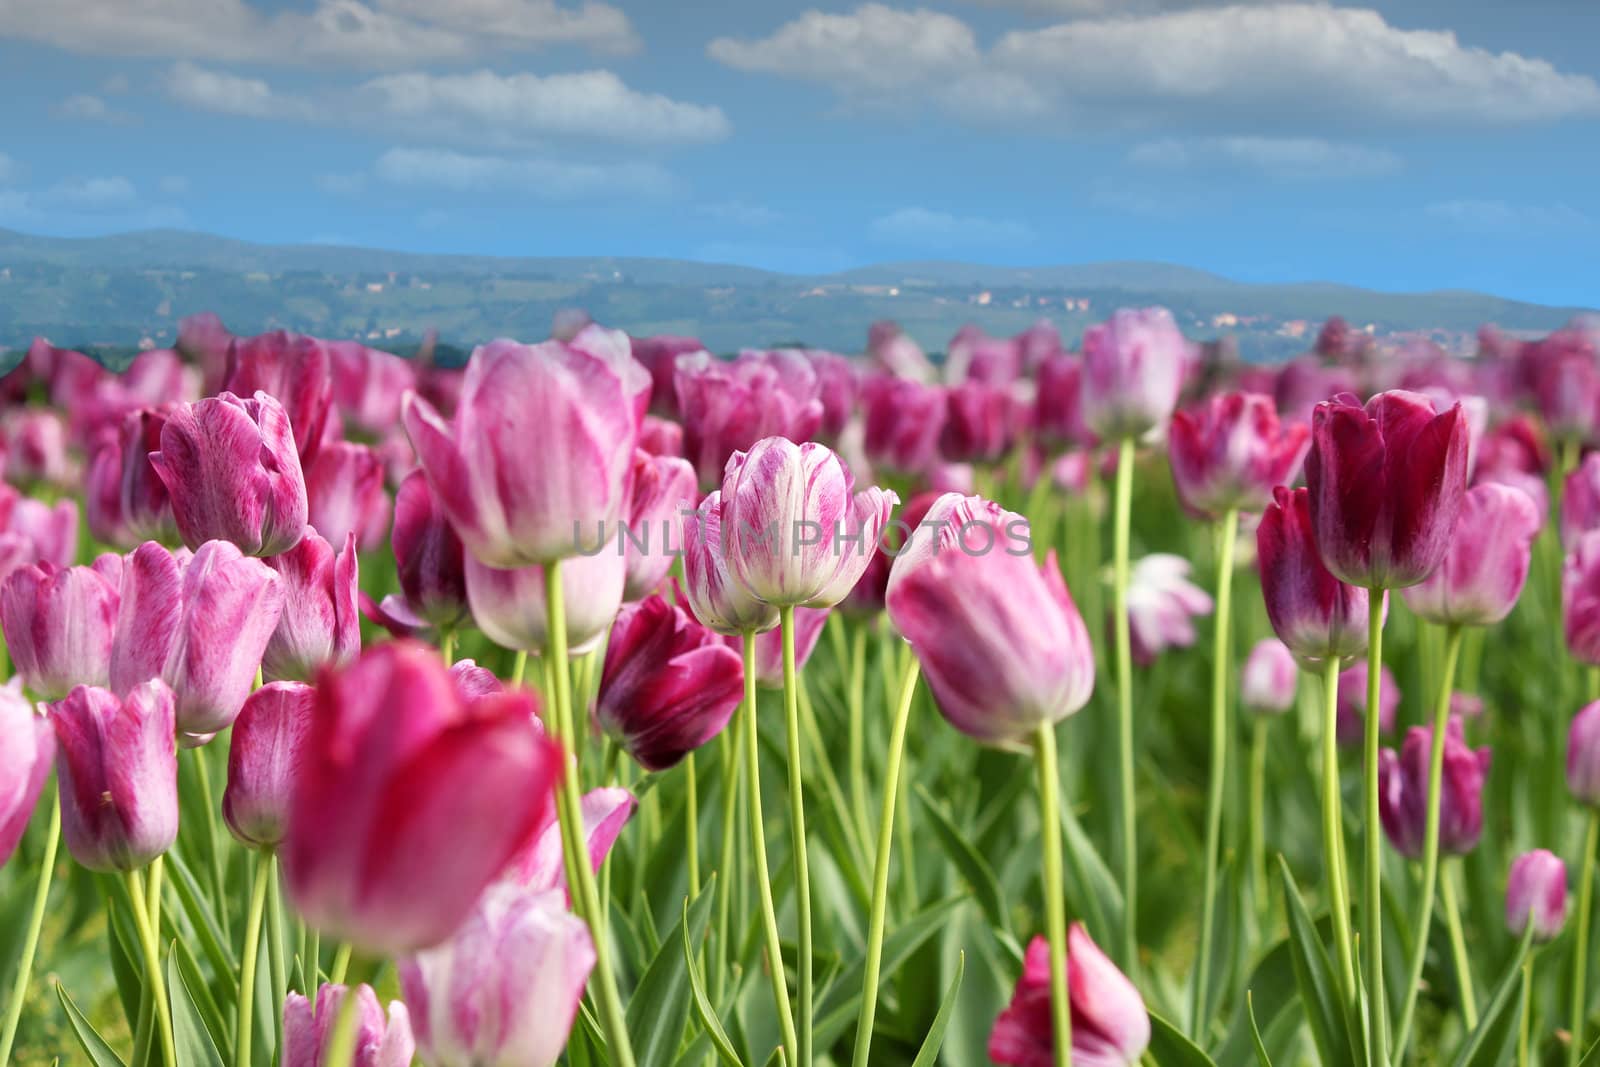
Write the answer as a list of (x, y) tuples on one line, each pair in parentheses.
[(612, 703)]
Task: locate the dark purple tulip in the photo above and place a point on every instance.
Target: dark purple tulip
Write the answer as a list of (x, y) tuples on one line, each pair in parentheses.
[(1058, 419), (1403, 792), (428, 557), (978, 424), (1580, 599)]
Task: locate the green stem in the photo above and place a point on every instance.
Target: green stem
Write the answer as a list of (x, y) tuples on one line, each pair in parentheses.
[(277, 949), (858, 729), (1580, 942), (1430, 839), (341, 964), (1458, 948), (580, 874), (728, 746), (1124, 660), (1055, 901), (248, 962), (880, 871), (313, 959), (691, 830), (447, 647), (1525, 1015), (30, 941), (758, 839), (1372, 911), (1228, 531), (1333, 833), (155, 977), (1258, 829), (208, 831), (797, 833)]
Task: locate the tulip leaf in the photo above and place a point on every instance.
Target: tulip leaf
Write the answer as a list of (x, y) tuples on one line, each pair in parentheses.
[(928, 1054), (1170, 1048), (200, 915), (1263, 1059), (1489, 1044), (974, 868), (1273, 998), (702, 1003), (196, 1046), (89, 1039), (1314, 975), (1093, 890), (659, 1010), (205, 1004)]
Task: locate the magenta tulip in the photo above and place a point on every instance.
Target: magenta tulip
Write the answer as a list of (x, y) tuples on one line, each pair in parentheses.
[(1583, 756), (1386, 483), (892, 350), (1230, 453), (973, 356), (1110, 1026), (1580, 599), (295, 371), (715, 599), (1580, 500), (206, 341), (380, 1041), (1352, 702), (36, 448), (1536, 895), (59, 623), (904, 420), (1268, 679), (119, 774), (837, 386), (1133, 367), (661, 437), (399, 764), (659, 355), (808, 624), (509, 605), (1058, 418), (320, 624), (512, 507), (27, 748), (1486, 565), (428, 557), (1315, 614), (727, 407), (979, 424), (345, 494), (663, 490), (142, 506), (34, 532), (368, 385), (1162, 606), (1403, 792), (265, 748)]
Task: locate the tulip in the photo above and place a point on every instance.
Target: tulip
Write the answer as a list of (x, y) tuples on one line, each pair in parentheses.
[(904, 420), (1231, 453), (27, 747), (429, 559), (1038, 343), (399, 765), (837, 386), (119, 775), (866, 599), (1110, 1027), (1058, 419), (716, 600), (1580, 599), (319, 624), (206, 341), (1536, 894), (668, 686), (659, 355), (663, 488), (1352, 696), (1133, 367), (892, 350), (36, 448), (541, 865), (368, 385), (34, 532), (232, 473), (1162, 606), (143, 507), (796, 533), (973, 356), (1583, 756), (728, 407), (1580, 500), (294, 370), (59, 623), (380, 1041), (1403, 792), (200, 624), (1267, 682), (1386, 483), (1315, 614), (1486, 564), (473, 681), (1566, 386), (345, 494), (509, 605), (1305, 382), (978, 422), (808, 624), (268, 738), (660, 437), (580, 408), (999, 638)]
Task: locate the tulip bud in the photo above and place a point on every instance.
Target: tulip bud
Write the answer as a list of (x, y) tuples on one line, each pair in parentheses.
[(36, 448), (206, 341), (1580, 599), (1536, 893), (295, 371), (891, 349), (1580, 500), (660, 437), (1583, 756), (509, 605), (1058, 419), (33, 532), (1110, 1026), (1486, 564), (380, 1041), (512, 509), (836, 387), (727, 407), (59, 623), (904, 420), (1231, 452), (663, 488), (1267, 682), (265, 748), (345, 494), (1315, 614), (718, 603), (659, 355), (1387, 483), (808, 624), (978, 424), (1352, 702), (1403, 792), (1133, 367), (368, 385), (1000, 641), (669, 685), (796, 534), (428, 557), (320, 623), (119, 775), (1162, 606), (27, 747), (232, 473)]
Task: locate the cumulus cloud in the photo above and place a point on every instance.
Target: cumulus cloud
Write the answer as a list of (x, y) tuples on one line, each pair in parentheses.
[(922, 228), (543, 179), (380, 33), (83, 205), (1280, 157), (229, 94)]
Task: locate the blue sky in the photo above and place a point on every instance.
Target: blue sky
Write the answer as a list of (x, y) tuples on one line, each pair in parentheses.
[(1408, 144)]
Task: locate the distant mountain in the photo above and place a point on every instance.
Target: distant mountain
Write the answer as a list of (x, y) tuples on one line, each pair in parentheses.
[(131, 288)]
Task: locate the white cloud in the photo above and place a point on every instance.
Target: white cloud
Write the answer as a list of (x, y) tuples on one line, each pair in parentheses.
[(371, 33), (1268, 64), (938, 230), (90, 194), (229, 94), (87, 108), (1505, 216), (80, 204), (1281, 157), (543, 179)]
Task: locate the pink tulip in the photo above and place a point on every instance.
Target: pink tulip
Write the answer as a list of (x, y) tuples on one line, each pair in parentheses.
[(345, 494), (143, 508), (715, 599), (1059, 416), (1268, 680), (119, 775), (1231, 452), (1536, 893), (429, 559), (267, 740), (27, 748), (1305, 382), (891, 349), (232, 473), (380, 1041), (1403, 792), (368, 385), (1038, 343), (979, 423), (1486, 564), (904, 420), (1580, 599), (1580, 500), (808, 624), (663, 489), (1110, 1027), (294, 370), (1162, 606), (1387, 483), (512, 507), (727, 407), (1583, 756), (1000, 641), (34, 532), (400, 765), (659, 355), (509, 605), (155, 378), (206, 341), (837, 386), (1566, 384), (59, 623), (320, 624), (1133, 367), (973, 356), (659, 437), (1352, 702), (1315, 614), (36, 448)]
